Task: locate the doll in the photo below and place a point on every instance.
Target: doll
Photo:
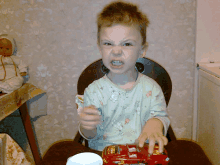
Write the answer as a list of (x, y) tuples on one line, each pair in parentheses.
[(11, 67)]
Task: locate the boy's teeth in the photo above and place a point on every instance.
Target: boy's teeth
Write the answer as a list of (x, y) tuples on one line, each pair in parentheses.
[(116, 62)]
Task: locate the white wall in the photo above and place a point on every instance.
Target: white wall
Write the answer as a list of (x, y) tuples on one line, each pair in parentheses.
[(208, 31)]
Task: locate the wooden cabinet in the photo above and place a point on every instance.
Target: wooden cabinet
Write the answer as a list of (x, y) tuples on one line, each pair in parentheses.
[(208, 126)]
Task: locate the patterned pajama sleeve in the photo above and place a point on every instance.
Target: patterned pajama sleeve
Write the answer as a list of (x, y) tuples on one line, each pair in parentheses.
[(158, 107)]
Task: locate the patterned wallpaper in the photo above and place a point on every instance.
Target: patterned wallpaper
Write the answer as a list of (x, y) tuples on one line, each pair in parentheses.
[(57, 38)]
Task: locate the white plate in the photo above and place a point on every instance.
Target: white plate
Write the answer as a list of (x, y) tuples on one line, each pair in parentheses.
[(84, 159)]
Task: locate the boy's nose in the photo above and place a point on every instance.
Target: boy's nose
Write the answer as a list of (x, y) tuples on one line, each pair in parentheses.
[(117, 50)]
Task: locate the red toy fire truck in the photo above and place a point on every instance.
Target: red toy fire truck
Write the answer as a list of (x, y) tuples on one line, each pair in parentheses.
[(130, 154)]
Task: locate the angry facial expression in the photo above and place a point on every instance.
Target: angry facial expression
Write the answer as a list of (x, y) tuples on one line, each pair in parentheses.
[(120, 47)]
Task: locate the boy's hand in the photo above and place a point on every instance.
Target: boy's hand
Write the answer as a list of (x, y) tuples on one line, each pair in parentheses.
[(89, 117), (153, 130)]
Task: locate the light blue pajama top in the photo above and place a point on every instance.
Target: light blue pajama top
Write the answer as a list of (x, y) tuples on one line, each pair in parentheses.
[(124, 111)]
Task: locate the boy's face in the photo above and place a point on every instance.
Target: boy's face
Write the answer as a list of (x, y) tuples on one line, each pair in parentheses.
[(120, 47), (5, 47)]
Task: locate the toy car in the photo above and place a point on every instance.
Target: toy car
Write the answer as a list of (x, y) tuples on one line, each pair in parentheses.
[(130, 154)]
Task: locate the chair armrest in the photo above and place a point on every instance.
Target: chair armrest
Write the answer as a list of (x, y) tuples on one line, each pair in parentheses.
[(79, 139), (170, 134)]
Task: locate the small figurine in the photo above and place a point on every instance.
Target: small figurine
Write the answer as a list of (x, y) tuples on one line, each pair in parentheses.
[(131, 154), (11, 67)]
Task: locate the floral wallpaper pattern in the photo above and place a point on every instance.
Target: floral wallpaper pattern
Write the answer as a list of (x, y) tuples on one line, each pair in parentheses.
[(57, 39)]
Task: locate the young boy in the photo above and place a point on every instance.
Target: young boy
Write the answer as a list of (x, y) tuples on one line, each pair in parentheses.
[(124, 106)]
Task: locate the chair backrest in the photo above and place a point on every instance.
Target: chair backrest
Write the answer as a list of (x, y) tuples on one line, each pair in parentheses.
[(151, 68)]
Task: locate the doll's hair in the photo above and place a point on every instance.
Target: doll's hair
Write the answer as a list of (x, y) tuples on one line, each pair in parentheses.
[(12, 40), (123, 13)]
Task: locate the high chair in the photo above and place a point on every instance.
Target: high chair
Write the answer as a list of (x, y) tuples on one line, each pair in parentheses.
[(179, 151)]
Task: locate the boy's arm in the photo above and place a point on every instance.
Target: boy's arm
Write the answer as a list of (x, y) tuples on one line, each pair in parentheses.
[(89, 120), (158, 108), (157, 123), (86, 101)]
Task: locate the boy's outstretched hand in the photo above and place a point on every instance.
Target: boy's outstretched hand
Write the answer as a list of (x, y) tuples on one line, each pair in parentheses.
[(153, 130)]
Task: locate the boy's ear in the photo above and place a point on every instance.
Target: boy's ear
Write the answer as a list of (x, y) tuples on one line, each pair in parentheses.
[(144, 49), (145, 46)]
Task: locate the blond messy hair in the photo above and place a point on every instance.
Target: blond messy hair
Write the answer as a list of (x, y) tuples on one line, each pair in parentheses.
[(123, 13)]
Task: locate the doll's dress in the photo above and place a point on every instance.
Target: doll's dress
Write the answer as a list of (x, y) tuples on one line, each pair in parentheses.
[(12, 80)]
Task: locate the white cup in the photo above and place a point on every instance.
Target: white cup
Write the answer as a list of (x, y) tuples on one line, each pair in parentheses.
[(84, 159)]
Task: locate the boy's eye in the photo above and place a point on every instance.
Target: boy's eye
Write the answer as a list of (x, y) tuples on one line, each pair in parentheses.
[(127, 44), (107, 43)]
